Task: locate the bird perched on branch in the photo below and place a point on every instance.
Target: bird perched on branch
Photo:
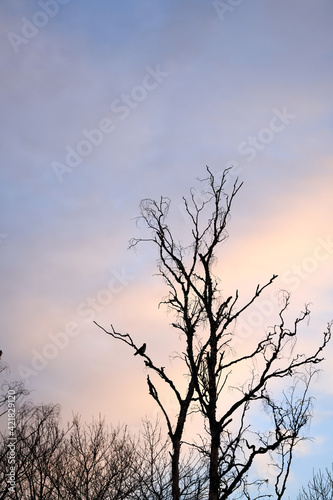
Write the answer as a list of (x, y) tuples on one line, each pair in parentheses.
[(0, 353), (141, 351)]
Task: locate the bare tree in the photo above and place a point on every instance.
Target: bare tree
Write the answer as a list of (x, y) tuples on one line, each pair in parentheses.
[(207, 322), (98, 462), (15, 388), (81, 462), (37, 444), (10, 397), (153, 476), (319, 488)]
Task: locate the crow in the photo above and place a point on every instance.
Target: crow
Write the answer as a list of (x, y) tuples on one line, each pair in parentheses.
[(141, 351)]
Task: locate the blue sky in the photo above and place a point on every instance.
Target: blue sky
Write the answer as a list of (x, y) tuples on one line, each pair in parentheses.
[(249, 88)]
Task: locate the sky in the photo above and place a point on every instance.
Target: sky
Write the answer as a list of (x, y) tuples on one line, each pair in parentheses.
[(106, 103)]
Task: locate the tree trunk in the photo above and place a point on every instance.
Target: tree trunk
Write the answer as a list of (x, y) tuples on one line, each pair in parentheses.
[(213, 424), (175, 470), (213, 465)]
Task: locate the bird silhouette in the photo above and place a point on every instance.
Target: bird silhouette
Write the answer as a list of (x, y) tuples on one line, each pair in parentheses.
[(0, 354), (141, 351)]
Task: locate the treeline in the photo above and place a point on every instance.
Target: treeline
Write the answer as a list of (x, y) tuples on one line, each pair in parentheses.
[(89, 461), (98, 462)]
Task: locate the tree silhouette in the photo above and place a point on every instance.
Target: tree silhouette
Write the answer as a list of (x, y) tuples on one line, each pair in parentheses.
[(207, 322), (17, 388), (320, 487), (89, 461)]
